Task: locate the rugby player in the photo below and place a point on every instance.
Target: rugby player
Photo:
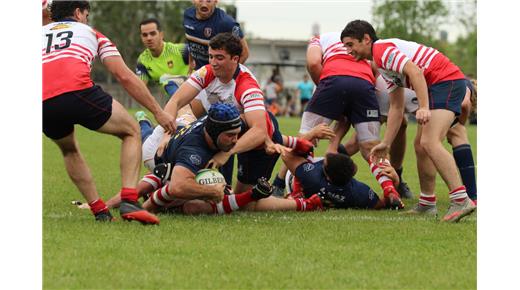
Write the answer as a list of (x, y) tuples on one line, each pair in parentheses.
[(440, 88), (225, 80), (70, 97)]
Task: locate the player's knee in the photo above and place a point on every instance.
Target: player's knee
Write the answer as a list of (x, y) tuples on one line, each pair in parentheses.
[(419, 149)]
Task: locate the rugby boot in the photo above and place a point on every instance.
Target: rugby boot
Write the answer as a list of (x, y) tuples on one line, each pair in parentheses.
[(262, 189), (134, 211), (458, 210), (140, 116), (393, 200), (419, 209), (404, 190), (104, 216)]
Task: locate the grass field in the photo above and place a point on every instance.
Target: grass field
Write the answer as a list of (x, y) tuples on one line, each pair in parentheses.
[(320, 250)]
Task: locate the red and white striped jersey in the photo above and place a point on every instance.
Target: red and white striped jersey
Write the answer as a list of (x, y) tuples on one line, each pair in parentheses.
[(390, 56), (336, 61), (243, 91), (68, 49)]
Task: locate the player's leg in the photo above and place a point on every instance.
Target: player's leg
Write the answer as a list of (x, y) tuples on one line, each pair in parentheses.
[(352, 146), (446, 97), (458, 138), (427, 203), (124, 127), (79, 173), (464, 158), (363, 113)]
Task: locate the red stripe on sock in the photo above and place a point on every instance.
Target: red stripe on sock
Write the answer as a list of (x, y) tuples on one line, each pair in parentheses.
[(299, 204), (225, 204)]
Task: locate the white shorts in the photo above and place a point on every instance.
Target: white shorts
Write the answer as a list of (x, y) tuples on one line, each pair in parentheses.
[(410, 99), (311, 120), (150, 146)]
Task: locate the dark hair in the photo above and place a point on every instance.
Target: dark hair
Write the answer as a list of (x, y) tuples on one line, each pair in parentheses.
[(357, 29), (63, 9), (151, 20), (227, 41), (339, 168)]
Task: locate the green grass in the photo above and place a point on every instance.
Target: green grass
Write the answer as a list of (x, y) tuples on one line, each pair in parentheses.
[(333, 249)]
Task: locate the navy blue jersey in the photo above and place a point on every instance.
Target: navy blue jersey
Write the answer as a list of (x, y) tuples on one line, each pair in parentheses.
[(188, 148), (354, 194), (199, 32)]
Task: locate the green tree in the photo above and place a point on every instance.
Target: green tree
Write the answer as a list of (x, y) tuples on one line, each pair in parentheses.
[(411, 20)]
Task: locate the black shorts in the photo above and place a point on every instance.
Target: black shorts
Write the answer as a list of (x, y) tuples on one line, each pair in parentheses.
[(257, 163), (337, 96), (90, 108)]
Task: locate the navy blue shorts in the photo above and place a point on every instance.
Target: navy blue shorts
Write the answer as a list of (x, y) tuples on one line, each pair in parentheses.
[(337, 96), (90, 108), (257, 163), (447, 95)]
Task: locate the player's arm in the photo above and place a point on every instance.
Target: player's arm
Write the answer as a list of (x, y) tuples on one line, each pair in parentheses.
[(245, 51), (314, 65), (292, 161), (395, 116), (184, 186), (416, 77), (181, 98), (138, 90), (252, 138)]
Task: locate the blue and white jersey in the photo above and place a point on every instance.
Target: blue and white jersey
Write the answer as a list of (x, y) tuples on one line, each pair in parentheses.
[(188, 148), (199, 32), (354, 194)]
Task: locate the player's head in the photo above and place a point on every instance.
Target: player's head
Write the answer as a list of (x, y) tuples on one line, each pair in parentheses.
[(358, 37), (223, 125), (224, 53), (77, 10), (151, 33), (204, 8), (339, 168)]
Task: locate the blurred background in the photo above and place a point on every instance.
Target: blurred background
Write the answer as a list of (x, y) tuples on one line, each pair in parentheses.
[(277, 33)]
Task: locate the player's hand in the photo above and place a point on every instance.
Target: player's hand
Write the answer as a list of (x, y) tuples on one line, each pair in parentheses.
[(423, 116), (218, 160), (273, 148), (220, 190), (322, 131), (166, 121), (378, 152), (162, 145), (389, 171)]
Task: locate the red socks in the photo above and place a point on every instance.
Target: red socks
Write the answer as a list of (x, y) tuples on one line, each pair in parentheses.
[(98, 206), (129, 194), (232, 202)]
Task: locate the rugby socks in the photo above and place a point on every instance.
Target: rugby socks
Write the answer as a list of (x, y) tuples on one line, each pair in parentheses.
[(458, 194), (129, 194), (232, 202), (386, 183), (161, 196), (98, 206), (309, 204), (153, 180), (427, 200), (464, 159)]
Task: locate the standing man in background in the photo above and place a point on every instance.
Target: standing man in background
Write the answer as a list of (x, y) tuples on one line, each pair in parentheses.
[(304, 92)]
